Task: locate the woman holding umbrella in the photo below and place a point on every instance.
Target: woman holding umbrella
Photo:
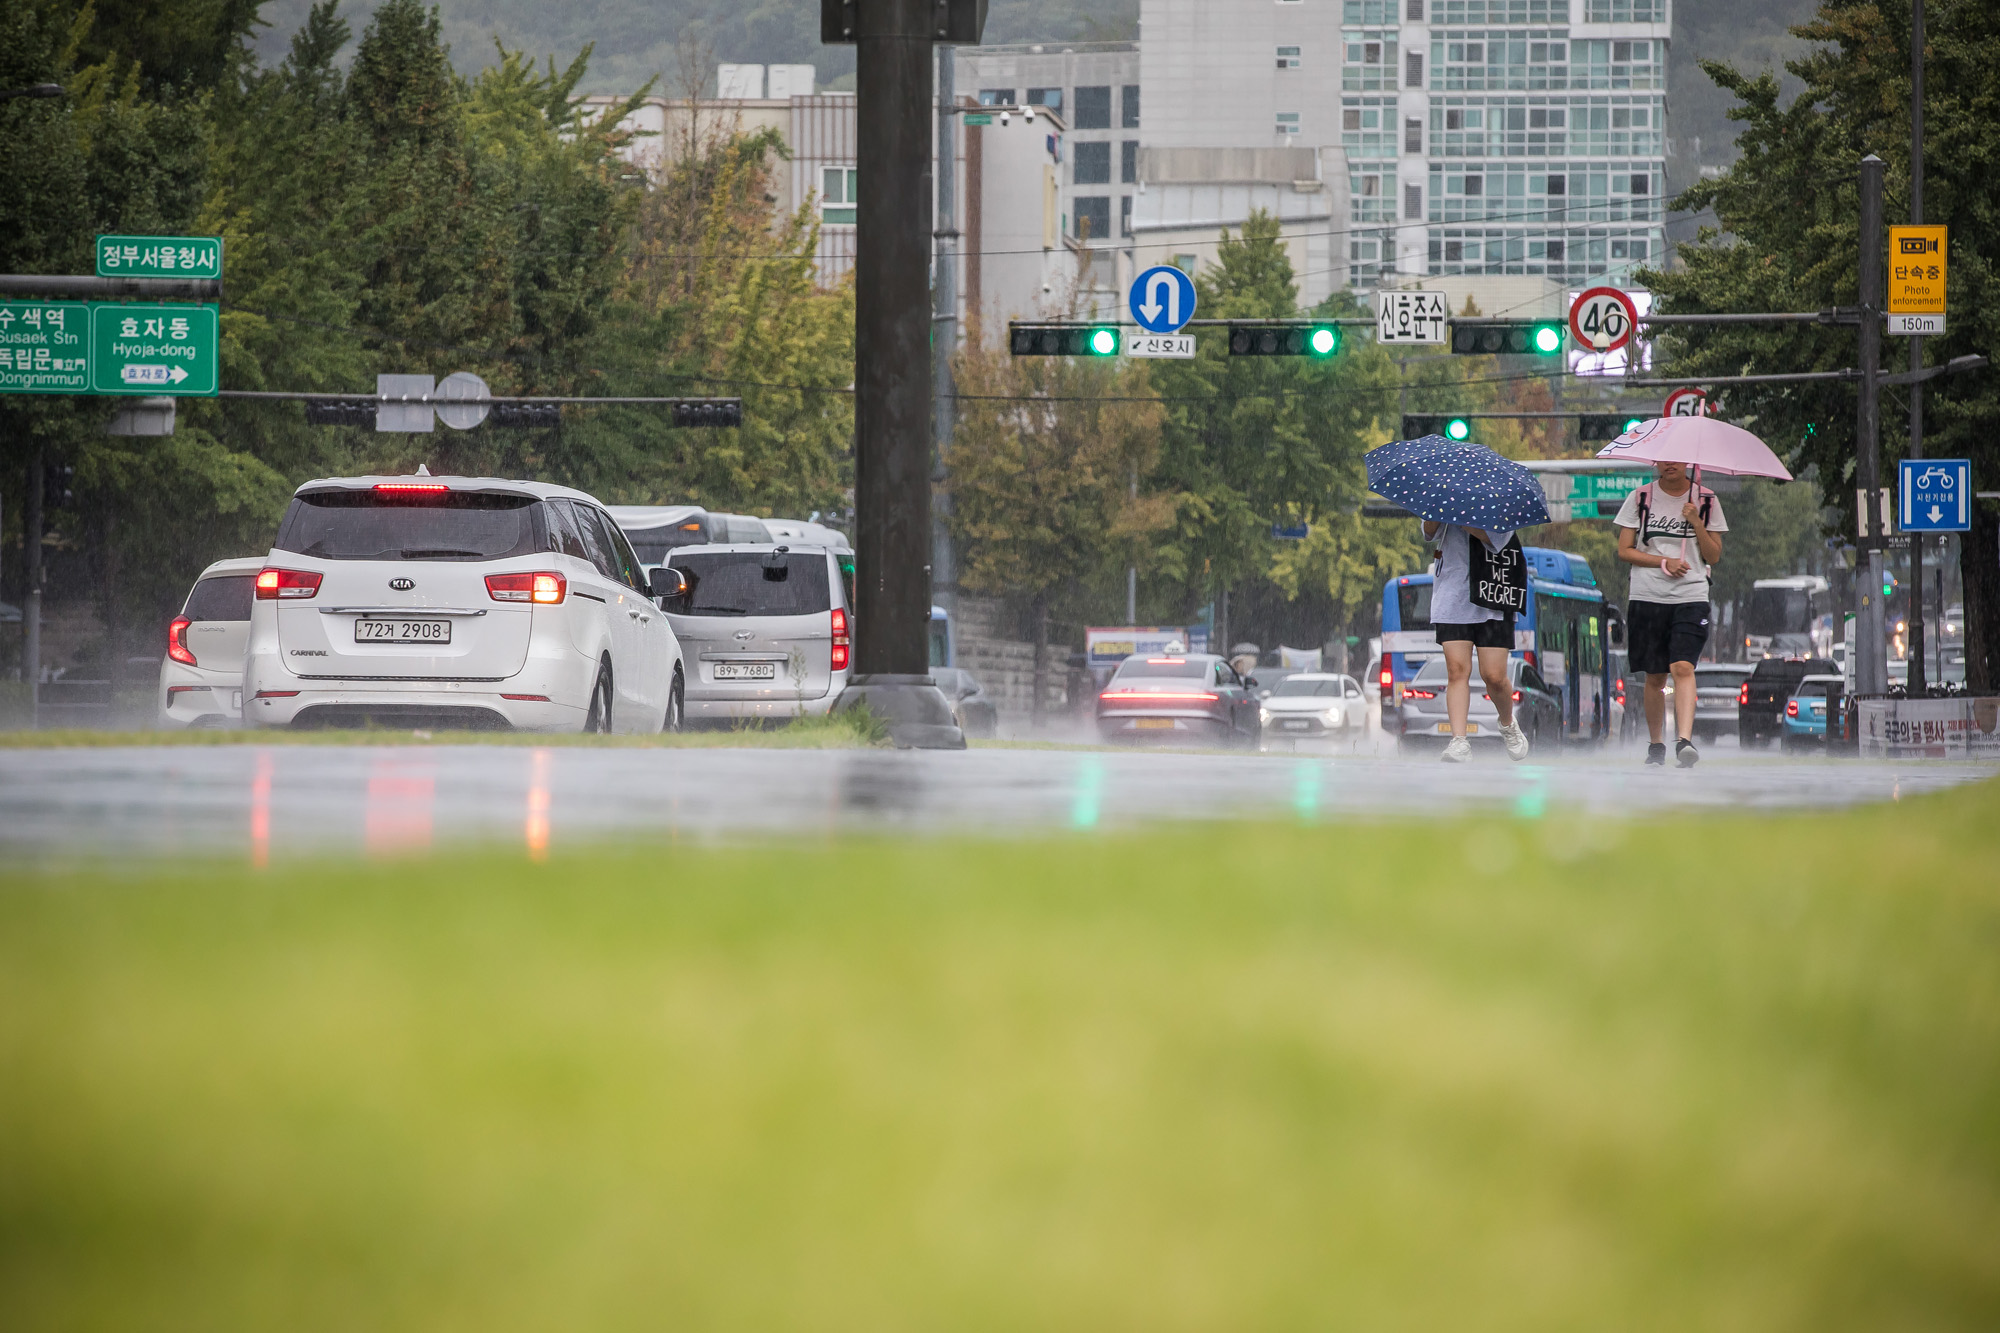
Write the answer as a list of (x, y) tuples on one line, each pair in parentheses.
[(1471, 502)]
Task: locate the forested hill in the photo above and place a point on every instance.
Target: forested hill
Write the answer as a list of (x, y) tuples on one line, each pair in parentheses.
[(638, 39)]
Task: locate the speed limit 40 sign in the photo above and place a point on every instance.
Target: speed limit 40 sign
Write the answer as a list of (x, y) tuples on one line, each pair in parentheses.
[(1603, 319)]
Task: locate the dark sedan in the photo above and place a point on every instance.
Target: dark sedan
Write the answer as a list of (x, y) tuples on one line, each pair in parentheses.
[(1761, 700), (978, 716), (1195, 698)]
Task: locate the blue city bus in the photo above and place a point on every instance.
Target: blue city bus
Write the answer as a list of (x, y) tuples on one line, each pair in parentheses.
[(1564, 632)]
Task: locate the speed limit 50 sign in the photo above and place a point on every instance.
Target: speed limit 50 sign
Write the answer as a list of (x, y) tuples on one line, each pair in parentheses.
[(1603, 319)]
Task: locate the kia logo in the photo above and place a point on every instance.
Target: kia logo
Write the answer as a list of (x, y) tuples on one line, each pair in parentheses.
[(402, 585), (745, 634)]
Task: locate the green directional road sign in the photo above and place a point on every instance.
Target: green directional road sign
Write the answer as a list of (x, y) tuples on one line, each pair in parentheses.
[(1606, 485), (108, 348), (159, 256), (153, 349), (44, 347)]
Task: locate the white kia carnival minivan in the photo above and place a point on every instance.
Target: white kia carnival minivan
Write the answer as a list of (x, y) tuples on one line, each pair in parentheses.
[(458, 602)]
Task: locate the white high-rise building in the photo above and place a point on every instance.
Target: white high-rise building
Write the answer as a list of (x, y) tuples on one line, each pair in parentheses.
[(1483, 140)]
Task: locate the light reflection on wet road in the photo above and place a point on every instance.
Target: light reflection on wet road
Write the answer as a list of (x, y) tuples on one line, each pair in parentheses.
[(283, 800)]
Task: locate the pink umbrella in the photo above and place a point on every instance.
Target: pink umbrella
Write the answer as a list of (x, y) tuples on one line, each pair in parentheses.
[(1699, 442)]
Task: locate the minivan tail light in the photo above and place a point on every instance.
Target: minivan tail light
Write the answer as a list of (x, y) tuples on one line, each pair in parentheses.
[(543, 587), (841, 645), (177, 646), (276, 584), (417, 487)]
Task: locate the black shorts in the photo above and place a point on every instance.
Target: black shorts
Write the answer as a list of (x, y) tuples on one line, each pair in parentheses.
[(1483, 634), (1659, 634)]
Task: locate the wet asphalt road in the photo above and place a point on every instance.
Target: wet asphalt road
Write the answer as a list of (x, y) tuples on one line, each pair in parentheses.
[(258, 802)]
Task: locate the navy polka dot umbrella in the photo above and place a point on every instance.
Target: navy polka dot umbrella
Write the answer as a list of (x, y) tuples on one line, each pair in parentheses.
[(1451, 481)]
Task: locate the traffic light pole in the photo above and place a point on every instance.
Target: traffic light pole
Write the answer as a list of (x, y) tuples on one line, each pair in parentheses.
[(31, 610), (1870, 665), (1918, 684)]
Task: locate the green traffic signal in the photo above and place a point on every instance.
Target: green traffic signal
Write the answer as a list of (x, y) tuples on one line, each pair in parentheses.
[(1548, 338), (1458, 428), (1633, 423), (1324, 341), (1104, 342)]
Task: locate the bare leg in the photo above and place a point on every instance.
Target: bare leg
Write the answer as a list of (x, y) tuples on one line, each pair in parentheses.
[(1656, 703), (1458, 683), (1684, 700), (1493, 670)]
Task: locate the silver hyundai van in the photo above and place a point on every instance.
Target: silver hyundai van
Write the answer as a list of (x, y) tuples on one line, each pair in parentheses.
[(765, 627)]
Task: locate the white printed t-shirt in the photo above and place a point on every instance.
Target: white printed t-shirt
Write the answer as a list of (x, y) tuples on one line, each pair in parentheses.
[(1666, 534)]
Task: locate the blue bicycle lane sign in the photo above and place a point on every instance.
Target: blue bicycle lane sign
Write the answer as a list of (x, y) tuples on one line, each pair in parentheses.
[(1162, 299), (1935, 494)]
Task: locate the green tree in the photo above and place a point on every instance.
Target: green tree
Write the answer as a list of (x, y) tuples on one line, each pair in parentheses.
[(1250, 442), (1043, 466), (1788, 239)]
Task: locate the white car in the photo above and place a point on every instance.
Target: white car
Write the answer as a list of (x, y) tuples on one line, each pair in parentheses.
[(1313, 706), (201, 676), (458, 602), (767, 629)]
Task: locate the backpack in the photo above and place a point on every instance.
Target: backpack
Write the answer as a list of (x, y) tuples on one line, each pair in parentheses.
[(1646, 511)]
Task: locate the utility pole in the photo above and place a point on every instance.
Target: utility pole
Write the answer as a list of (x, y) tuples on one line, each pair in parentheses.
[(893, 385), (1918, 685), (1132, 571), (1871, 663), (944, 326), (31, 612)]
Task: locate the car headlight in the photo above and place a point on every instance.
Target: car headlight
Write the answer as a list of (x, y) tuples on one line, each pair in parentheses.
[(1263, 713), (1333, 713)]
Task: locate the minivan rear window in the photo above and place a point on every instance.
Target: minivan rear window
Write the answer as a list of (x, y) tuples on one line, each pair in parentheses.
[(222, 597), (412, 525), (752, 583)]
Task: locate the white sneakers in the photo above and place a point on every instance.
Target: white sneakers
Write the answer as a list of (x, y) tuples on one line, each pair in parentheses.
[(1515, 741), (1458, 751)]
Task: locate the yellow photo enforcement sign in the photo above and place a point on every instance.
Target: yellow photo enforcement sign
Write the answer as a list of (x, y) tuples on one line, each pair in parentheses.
[(1916, 270)]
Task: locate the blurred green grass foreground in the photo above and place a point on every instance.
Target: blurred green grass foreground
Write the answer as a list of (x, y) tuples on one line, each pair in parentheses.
[(1724, 1074)]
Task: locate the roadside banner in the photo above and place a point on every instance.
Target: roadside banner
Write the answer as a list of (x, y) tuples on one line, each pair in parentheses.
[(1960, 728)]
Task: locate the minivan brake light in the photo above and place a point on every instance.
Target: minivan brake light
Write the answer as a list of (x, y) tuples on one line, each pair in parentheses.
[(276, 584), (543, 587)]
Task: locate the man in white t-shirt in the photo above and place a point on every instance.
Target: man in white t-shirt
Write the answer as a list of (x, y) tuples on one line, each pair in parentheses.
[(1670, 533)]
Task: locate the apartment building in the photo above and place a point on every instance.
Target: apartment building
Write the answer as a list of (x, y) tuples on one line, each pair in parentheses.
[(1502, 147)]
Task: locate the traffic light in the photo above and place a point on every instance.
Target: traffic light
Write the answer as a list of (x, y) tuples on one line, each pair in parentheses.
[(525, 416), (1317, 340), (1888, 584), (1063, 340), (1415, 427), (1603, 426), (1535, 337), (360, 414), (709, 412), (58, 485)]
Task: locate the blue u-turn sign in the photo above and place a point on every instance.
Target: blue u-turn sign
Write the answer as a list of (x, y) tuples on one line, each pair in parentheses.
[(1936, 494), (1162, 299)]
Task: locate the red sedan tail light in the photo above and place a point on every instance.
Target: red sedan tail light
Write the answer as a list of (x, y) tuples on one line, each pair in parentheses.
[(1517, 696), (1388, 677), (177, 647), (1158, 696), (1420, 694), (544, 587), (276, 584), (841, 646), (1791, 708)]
